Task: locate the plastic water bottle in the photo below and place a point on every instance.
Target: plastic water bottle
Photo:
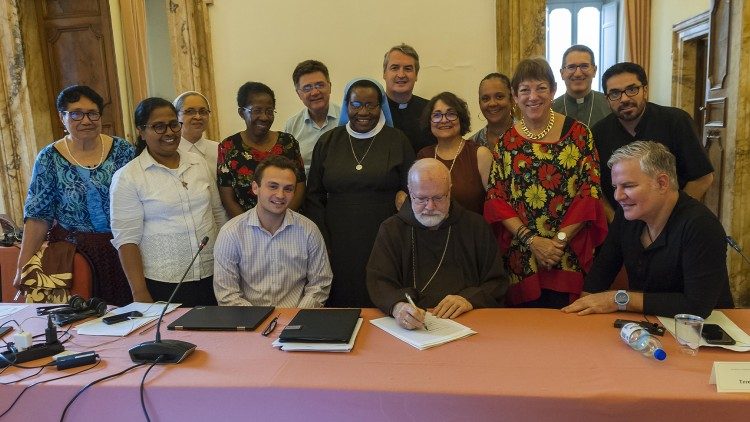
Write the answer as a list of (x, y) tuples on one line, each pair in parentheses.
[(641, 340)]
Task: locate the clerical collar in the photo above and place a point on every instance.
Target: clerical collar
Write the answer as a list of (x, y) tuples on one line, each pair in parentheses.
[(401, 106), (378, 127)]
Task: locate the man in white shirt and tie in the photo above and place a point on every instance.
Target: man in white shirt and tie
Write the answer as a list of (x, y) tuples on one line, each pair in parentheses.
[(270, 255), (193, 111)]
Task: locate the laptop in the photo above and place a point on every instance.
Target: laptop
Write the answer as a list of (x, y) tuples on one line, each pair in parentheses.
[(222, 318)]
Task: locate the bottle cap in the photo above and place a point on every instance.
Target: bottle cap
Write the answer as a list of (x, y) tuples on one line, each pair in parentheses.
[(660, 354)]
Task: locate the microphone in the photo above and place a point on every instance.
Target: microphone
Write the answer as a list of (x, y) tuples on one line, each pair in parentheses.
[(736, 246), (166, 351)]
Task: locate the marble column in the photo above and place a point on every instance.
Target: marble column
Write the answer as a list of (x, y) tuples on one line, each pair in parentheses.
[(17, 137), (190, 40), (521, 32), (736, 192)]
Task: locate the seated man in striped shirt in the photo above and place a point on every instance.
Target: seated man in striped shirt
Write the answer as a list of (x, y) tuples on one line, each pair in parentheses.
[(271, 255)]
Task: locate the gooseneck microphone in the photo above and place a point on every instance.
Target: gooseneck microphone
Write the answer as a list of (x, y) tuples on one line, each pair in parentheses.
[(166, 351), (736, 246)]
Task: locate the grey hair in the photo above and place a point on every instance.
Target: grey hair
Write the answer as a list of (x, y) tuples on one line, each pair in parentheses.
[(428, 168), (406, 49), (180, 100), (653, 157)]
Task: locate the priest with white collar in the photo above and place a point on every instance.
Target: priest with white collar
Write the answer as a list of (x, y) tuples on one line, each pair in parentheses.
[(580, 101)]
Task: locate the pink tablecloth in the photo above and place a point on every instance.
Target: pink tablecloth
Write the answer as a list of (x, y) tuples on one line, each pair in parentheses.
[(522, 365)]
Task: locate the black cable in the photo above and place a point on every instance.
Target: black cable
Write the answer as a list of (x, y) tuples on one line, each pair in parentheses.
[(6, 322), (47, 380), (91, 384), (24, 378), (143, 380)]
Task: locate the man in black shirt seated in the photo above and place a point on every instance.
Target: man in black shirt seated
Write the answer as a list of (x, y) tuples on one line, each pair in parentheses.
[(633, 118), (674, 249)]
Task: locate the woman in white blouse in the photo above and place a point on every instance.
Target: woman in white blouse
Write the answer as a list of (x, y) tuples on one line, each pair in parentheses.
[(163, 203)]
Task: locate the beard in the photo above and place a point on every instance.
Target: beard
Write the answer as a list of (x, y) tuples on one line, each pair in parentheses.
[(430, 220)]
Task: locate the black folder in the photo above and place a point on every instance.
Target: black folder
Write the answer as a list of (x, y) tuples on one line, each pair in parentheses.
[(222, 318), (321, 326)]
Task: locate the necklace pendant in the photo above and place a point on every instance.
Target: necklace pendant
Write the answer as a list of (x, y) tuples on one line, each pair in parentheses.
[(358, 167)]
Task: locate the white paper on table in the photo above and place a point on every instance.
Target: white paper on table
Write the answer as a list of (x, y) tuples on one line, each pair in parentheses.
[(718, 318), (319, 347), (150, 313), (439, 331), (8, 310)]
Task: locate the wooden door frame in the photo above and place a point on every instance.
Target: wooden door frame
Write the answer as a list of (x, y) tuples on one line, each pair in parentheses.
[(683, 53)]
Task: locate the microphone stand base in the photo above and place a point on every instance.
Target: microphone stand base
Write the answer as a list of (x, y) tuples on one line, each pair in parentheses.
[(170, 351)]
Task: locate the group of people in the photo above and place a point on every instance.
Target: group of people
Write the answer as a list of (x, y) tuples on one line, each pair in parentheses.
[(385, 199)]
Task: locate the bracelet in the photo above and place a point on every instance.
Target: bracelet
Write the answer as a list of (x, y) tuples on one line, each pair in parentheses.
[(526, 237), (531, 240)]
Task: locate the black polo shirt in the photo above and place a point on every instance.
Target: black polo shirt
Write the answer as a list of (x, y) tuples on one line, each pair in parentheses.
[(670, 126), (683, 271), (407, 119)]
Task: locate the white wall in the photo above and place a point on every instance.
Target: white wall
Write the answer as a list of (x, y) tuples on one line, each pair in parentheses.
[(664, 14), (264, 40)]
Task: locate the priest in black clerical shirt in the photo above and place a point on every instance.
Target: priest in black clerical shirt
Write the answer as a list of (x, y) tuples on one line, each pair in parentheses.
[(400, 70)]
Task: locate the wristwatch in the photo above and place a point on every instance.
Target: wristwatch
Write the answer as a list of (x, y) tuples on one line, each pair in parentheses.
[(561, 236), (621, 299)]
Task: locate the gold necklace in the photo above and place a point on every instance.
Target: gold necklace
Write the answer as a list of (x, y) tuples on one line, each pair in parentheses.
[(359, 161), (414, 260), (527, 133), (458, 151), (101, 158)]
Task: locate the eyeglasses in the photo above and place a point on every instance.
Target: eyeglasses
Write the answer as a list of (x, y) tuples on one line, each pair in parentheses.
[(356, 105), (192, 112), (630, 91), (437, 116), (257, 112), (161, 128), (78, 115), (423, 200), (309, 87), (585, 67)]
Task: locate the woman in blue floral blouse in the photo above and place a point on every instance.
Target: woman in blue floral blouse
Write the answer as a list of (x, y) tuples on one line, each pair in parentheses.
[(68, 197)]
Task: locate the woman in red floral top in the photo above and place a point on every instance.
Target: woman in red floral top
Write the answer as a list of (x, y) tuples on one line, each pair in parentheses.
[(543, 204), (241, 153)]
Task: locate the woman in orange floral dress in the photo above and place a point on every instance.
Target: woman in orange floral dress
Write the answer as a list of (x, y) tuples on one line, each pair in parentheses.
[(543, 203)]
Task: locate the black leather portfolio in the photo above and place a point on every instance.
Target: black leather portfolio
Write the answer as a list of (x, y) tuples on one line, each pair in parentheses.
[(321, 325)]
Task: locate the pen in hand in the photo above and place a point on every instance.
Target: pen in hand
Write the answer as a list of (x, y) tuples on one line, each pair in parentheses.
[(271, 326), (411, 302)]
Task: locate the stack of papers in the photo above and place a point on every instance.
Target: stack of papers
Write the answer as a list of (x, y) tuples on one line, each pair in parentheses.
[(8, 310), (319, 347), (150, 313), (439, 331), (718, 318)]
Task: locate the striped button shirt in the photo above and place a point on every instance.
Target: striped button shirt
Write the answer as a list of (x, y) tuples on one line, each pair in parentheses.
[(286, 269)]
